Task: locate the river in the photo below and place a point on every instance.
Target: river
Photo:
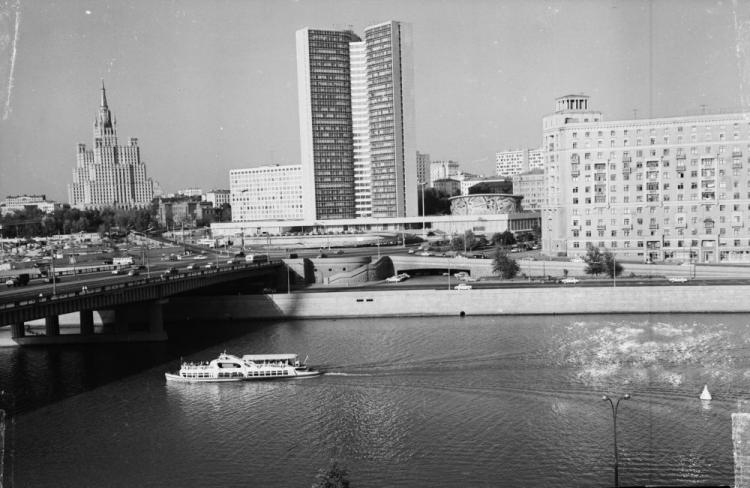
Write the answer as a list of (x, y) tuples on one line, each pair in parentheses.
[(440, 402)]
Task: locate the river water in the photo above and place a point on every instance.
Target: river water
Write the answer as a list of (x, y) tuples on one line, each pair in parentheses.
[(440, 402)]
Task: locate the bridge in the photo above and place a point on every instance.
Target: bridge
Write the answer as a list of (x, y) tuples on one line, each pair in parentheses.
[(130, 310)]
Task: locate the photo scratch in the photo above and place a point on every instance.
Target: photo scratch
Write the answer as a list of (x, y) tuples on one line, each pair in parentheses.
[(14, 10)]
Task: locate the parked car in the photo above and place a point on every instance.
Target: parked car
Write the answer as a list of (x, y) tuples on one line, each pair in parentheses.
[(569, 281), (192, 266), (576, 260), (209, 266), (117, 271), (133, 272), (678, 279), (462, 286)]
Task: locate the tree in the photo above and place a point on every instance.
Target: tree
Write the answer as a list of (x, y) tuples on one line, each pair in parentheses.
[(594, 261), (504, 238), (492, 187), (335, 476), (435, 202), (503, 265), (611, 266)]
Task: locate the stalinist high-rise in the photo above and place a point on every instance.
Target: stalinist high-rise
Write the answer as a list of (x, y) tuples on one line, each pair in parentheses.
[(356, 105), (109, 175)]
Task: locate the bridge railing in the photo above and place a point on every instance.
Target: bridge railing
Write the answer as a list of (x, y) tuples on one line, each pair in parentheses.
[(85, 291)]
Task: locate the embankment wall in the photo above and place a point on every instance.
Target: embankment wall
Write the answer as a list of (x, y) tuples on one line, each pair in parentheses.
[(506, 301)]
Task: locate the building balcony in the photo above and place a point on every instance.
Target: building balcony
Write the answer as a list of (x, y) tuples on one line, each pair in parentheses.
[(575, 173), (681, 167), (736, 154), (653, 226), (626, 159), (736, 165)]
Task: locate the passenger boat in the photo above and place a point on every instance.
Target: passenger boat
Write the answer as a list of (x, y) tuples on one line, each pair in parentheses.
[(222, 369), (250, 367), (274, 366)]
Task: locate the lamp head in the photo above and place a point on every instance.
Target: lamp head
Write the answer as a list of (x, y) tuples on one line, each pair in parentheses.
[(626, 396), (605, 398)]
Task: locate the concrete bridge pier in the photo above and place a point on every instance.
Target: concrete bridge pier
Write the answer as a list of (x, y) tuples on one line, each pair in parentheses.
[(17, 330), (52, 326), (87, 322), (138, 322)]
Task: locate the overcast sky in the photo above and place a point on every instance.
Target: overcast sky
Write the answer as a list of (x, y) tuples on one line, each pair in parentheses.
[(208, 86)]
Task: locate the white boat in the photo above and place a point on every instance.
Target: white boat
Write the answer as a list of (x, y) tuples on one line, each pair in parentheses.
[(250, 367), (222, 369), (705, 394), (274, 366)]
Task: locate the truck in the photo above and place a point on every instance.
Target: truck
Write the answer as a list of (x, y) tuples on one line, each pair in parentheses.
[(256, 258)]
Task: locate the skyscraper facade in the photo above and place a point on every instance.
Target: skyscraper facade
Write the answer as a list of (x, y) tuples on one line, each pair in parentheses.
[(326, 137), (109, 175), (357, 122), (390, 90), (361, 130)]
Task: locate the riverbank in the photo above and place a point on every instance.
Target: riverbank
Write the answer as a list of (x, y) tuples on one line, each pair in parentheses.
[(505, 301)]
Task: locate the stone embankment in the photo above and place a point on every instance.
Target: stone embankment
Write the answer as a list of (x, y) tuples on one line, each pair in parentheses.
[(505, 301)]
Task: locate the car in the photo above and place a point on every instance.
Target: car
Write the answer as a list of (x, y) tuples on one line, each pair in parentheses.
[(230, 261), (117, 271), (133, 272), (201, 257), (397, 278), (339, 252), (411, 251), (576, 260), (10, 282), (192, 266), (569, 281), (425, 253), (469, 278), (462, 286), (209, 266), (461, 275), (678, 279), (269, 290)]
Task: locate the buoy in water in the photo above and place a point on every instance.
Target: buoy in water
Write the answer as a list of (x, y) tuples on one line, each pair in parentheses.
[(705, 395)]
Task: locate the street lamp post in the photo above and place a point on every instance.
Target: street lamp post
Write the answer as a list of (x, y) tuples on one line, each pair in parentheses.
[(614, 423), (424, 233)]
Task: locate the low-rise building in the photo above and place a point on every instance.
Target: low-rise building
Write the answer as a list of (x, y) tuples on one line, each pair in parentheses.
[(449, 186), (267, 193), (17, 203), (217, 198)]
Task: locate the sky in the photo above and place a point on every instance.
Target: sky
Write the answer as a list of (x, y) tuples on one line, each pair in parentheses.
[(210, 85)]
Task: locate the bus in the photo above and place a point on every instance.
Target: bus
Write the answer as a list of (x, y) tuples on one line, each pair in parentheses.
[(122, 261), (256, 258)]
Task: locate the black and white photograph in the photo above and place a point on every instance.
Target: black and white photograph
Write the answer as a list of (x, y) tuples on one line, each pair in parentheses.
[(374, 243)]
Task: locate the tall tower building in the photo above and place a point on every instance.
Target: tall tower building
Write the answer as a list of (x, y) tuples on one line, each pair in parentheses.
[(356, 105), (390, 89), (325, 112), (109, 175), (361, 130)]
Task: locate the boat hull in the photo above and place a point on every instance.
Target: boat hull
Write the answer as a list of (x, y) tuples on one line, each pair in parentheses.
[(182, 379)]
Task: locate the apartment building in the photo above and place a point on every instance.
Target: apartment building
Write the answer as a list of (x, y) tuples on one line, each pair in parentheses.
[(652, 189)]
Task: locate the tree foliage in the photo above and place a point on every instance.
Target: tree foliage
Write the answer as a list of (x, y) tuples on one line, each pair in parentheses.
[(594, 261), (32, 222), (435, 202), (611, 266), (335, 476), (504, 238), (492, 187), (503, 265), (598, 262)]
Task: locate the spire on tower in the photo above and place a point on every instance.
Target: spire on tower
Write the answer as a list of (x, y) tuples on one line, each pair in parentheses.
[(104, 95)]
